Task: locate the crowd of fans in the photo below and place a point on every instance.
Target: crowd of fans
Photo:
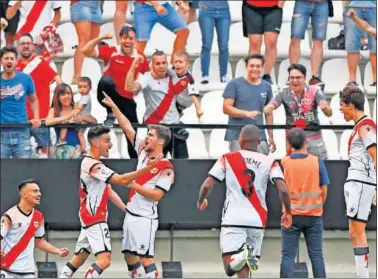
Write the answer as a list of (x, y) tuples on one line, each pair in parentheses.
[(167, 86)]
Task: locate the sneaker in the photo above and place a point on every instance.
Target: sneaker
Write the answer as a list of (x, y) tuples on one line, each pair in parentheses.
[(109, 121), (60, 143), (373, 84), (250, 258), (225, 79), (267, 78), (315, 80), (205, 80)]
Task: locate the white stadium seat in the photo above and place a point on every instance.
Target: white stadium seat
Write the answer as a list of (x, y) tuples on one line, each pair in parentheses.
[(108, 28), (279, 116), (331, 144), (65, 11), (190, 115), (368, 79), (240, 71), (98, 111), (235, 10), (344, 139), (141, 106), (323, 119), (280, 140), (212, 107), (238, 44), (161, 39), (218, 146), (196, 145), (68, 34), (288, 11), (283, 42), (214, 78), (283, 75), (194, 45), (338, 10)]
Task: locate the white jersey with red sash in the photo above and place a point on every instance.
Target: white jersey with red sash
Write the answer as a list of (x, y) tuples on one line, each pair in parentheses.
[(162, 177), (160, 98), (94, 191), (364, 136), (246, 174), (18, 241)]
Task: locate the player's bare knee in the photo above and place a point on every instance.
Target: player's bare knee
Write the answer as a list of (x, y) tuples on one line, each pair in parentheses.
[(79, 259), (130, 258), (103, 260), (147, 261)]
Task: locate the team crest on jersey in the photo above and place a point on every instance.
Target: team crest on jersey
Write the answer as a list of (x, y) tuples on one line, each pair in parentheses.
[(36, 224), (154, 170), (307, 101), (183, 83)]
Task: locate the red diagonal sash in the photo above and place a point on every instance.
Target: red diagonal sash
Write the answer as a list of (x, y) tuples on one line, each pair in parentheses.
[(101, 211), (367, 121), (238, 166), (21, 245), (162, 165), (158, 115)]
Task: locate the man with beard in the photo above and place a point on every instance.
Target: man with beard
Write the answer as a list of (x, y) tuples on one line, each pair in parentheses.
[(117, 63), (43, 75)]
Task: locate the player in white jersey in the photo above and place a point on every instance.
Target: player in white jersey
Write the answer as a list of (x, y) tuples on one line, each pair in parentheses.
[(94, 193), (246, 173), (141, 220), (361, 184), (22, 228)]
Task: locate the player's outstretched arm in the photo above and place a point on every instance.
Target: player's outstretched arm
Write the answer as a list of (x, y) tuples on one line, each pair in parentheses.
[(116, 199), (205, 190), (123, 122), (155, 194), (286, 219)]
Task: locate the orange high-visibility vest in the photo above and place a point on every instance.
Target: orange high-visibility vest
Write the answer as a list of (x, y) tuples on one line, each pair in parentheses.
[(302, 179)]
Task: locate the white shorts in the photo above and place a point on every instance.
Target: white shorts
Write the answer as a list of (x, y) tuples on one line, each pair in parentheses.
[(96, 237), (232, 239), (6, 274), (358, 200), (139, 236)]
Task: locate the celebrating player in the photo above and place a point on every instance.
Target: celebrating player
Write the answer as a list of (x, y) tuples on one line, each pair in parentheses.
[(141, 220), (361, 183), (22, 228), (246, 173), (94, 193)]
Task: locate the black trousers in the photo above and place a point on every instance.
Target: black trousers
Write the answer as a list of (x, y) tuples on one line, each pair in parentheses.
[(125, 105), (177, 147)]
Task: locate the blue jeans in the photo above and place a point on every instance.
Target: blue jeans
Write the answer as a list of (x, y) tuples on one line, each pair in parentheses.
[(220, 19), (15, 144), (303, 10), (86, 11), (353, 34), (312, 228), (41, 136)]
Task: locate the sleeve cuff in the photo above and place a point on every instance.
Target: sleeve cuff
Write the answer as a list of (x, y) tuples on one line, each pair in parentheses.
[(371, 145), (40, 237), (161, 188), (216, 178), (108, 179)]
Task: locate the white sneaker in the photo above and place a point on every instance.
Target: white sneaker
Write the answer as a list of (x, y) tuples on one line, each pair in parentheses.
[(205, 80), (225, 79)]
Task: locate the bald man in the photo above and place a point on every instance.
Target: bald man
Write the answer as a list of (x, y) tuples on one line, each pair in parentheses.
[(245, 173), (22, 228)]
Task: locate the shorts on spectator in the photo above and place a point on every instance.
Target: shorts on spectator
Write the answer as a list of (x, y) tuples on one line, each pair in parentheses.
[(41, 136), (13, 22), (317, 148), (303, 11), (16, 144), (353, 34), (145, 18), (86, 11), (257, 21)]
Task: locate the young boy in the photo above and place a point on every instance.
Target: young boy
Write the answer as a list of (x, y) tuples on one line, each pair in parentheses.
[(82, 107)]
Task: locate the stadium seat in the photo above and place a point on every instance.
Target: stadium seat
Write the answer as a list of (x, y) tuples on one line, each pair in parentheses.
[(284, 42), (283, 74), (323, 119), (196, 145), (108, 28), (65, 12), (141, 106), (214, 78), (375, 110), (240, 71), (279, 116), (53, 85), (368, 79), (194, 44), (218, 146), (336, 81), (288, 11), (190, 115), (333, 30), (337, 117), (331, 144), (280, 140), (212, 107), (161, 39), (238, 44), (68, 34), (338, 10), (344, 139), (124, 151), (235, 10), (98, 111)]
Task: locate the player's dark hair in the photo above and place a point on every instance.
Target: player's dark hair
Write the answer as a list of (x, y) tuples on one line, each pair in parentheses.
[(7, 49), (85, 79), (26, 35), (158, 53), (298, 67), (26, 182), (126, 29), (353, 95), (297, 138), (97, 131), (254, 56), (162, 132)]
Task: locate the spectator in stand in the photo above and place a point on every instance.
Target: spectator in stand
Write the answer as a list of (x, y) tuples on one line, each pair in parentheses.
[(318, 11), (120, 17), (362, 24), (263, 18), (16, 87), (366, 10), (117, 63), (63, 112), (11, 25), (148, 13), (214, 14), (244, 101), (87, 18), (301, 104), (43, 75)]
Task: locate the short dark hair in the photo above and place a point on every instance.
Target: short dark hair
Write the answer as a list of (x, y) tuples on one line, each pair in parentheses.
[(126, 29), (26, 35), (85, 79), (254, 56), (97, 131), (158, 53), (298, 67), (7, 49), (162, 132), (353, 95), (297, 138), (26, 182)]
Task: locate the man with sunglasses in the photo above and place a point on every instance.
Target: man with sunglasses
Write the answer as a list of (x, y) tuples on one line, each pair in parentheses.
[(301, 104)]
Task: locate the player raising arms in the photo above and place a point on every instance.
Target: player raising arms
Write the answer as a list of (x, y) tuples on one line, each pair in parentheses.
[(246, 173), (141, 220), (22, 228), (361, 183), (94, 193)]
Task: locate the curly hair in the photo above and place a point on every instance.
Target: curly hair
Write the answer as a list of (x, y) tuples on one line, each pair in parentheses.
[(353, 95)]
